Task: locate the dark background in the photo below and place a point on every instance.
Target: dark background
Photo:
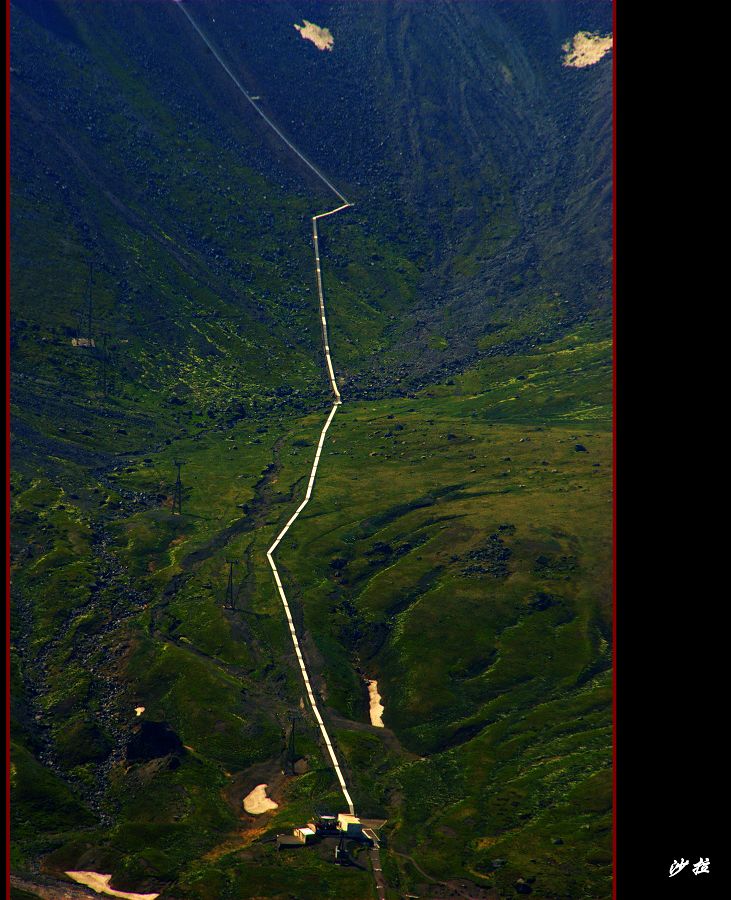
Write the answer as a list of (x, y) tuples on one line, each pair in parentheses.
[(670, 514)]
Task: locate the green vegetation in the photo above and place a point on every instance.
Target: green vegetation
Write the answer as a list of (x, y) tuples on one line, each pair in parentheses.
[(497, 674), (474, 588), (457, 544)]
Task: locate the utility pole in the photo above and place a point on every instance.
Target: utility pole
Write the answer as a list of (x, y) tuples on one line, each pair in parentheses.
[(105, 385), (342, 857), (91, 281), (178, 493), (230, 602), (291, 757), (79, 313)]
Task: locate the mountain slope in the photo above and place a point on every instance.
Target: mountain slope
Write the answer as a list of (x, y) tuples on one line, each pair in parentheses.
[(457, 547)]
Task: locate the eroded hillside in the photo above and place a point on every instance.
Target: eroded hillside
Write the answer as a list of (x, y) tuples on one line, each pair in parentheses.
[(457, 548)]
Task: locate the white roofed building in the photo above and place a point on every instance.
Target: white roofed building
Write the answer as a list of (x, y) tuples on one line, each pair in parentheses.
[(306, 833), (350, 825)]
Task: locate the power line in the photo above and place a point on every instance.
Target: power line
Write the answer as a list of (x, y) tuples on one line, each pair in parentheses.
[(261, 112), (230, 601)]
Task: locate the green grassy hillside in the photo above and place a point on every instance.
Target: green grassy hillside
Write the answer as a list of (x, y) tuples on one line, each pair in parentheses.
[(457, 545)]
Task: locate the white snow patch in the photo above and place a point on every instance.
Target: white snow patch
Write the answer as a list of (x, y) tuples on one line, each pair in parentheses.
[(376, 707), (257, 802), (586, 48), (101, 884), (320, 37)]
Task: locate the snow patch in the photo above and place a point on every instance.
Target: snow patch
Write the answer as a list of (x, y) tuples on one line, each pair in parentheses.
[(257, 802), (376, 707), (320, 37), (586, 48), (101, 884)]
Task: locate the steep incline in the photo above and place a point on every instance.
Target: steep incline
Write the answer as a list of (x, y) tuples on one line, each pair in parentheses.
[(336, 403)]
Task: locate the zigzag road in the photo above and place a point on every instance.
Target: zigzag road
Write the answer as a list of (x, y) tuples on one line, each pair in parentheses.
[(336, 403)]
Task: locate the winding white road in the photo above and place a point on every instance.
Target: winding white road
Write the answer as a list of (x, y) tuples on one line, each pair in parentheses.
[(336, 403)]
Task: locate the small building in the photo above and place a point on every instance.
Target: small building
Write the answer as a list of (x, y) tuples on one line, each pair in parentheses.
[(350, 825), (327, 824), (306, 833), (287, 840)]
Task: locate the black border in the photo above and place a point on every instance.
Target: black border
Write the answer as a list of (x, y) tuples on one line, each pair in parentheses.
[(671, 473)]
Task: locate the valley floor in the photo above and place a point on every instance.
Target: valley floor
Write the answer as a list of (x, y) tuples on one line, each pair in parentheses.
[(457, 556)]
